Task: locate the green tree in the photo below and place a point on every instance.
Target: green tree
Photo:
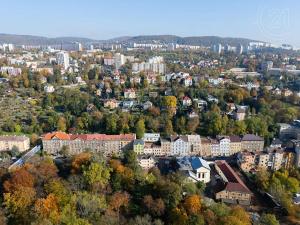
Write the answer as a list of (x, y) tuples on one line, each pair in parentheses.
[(140, 128), (268, 219), (97, 174)]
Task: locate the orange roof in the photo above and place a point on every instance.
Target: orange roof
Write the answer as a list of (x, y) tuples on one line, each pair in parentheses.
[(88, 137), (59, 135)]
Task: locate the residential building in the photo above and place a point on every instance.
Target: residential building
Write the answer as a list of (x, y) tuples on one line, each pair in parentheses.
[(195, 169), (231, 189), (147, 105), (138, 146), (165, 146), (194, 144), (151, 137), (289, 131), (8, 142), (252, 142), (206, 149), (106, 144), (130, 93), (239, 113), (154, 64), (246, 161), (154, 149), (179, 145), (235, 144), (294, 145), (111, 103), (62, 59), (224, 142), (186, 101), (49, 89), (146, 162), (11, 71), (201, 104), (215, 147), (119, 60), (273, 159)]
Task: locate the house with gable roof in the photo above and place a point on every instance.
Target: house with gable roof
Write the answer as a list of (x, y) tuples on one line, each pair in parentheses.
[(195, 168)]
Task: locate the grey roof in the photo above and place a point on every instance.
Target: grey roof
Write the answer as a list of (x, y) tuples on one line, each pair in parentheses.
[(176, 137), (13, 138), (276, 141), (138, 142), (192, 163), (240, 110), (252, 137), (234, 138)]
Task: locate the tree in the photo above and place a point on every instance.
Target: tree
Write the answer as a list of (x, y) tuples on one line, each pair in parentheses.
[(168, 128), (3, 219), (14, 152), (262, 179), (19, 179), (170, 103), (18, 202), (130, 160), (192, 125), (155, 207), (169, 192), (61, 124), (111, 124), (214, 123), (57, 188), (268, 219), (90, 205), (80, 160), (144, 220), (118, 200), (240, 214), (34, 138), (192, 204), (47, 208), (140, 128), (97, 175), (65, 151)]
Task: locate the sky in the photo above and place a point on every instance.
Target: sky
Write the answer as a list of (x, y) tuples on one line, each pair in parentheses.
[(274, 21)]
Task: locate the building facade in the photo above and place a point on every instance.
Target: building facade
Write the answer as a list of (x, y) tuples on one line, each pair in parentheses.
[(107, 144), (8, 142), (232, 189)]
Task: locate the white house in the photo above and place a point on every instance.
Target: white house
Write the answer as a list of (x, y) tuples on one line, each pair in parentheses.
[(129, 93), (151, 137), (186, 101), (188, 81), (146, 162), (201, 104), (147, 105), (179, 145), (49, 89), (195, 168), (224, 146)]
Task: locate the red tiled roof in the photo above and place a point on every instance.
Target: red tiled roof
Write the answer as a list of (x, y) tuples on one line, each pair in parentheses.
[(234, 181), (88, 137)]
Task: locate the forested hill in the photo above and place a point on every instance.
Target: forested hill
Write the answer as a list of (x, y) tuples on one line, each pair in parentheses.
[(196, 40)]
